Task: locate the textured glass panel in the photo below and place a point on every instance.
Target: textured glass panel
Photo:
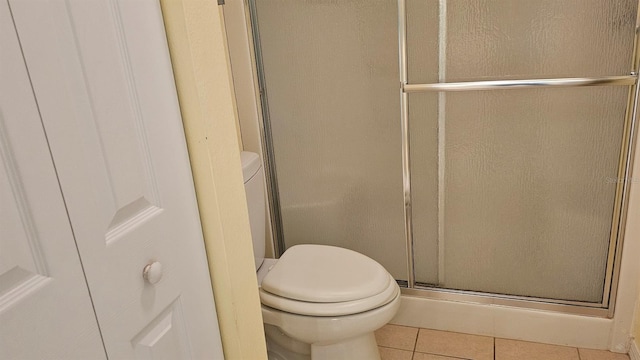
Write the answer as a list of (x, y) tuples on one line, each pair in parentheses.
[(422, 41), (530, 190), (542, 38), (423, 118), (332, 80), (422, 66)]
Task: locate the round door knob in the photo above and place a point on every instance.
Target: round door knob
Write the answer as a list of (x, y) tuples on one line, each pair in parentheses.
[(152, 272)]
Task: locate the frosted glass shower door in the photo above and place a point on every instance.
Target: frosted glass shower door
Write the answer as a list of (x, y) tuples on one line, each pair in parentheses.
[(514, 190), (331, 74)]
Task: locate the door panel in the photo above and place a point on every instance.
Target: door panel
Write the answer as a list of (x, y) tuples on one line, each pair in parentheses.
[(103, 77), (530, 185), (42, 287), (165, 337), (507, 39)]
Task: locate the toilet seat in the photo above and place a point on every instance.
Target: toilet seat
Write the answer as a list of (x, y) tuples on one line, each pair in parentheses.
[(321, 280), (330, 309)]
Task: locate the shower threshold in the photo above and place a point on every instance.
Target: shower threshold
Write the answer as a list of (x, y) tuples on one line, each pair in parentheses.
[(429, 291)]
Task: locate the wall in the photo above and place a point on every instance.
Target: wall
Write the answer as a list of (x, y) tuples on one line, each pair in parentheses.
[(197, 43)]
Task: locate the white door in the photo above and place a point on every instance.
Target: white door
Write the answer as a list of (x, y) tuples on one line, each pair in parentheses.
[(42, 287), (103, 79)]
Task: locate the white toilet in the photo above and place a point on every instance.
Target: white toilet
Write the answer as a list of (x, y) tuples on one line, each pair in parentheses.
[(318, 302)]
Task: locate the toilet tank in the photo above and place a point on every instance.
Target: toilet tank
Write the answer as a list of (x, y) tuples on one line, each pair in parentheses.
[(254, 188)]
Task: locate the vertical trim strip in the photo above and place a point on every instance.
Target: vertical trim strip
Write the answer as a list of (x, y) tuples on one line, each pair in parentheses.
[(442, 67), (404, 124)]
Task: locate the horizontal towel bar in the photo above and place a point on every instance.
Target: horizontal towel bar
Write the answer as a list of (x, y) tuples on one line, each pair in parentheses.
[(519, 84)]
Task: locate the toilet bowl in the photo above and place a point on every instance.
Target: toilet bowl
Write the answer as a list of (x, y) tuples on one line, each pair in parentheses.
[(330, 299), (341, 337), (318, 302)]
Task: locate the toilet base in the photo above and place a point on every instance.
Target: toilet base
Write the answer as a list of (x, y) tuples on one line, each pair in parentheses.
[(282, 347), (301, 337), (277, 352), (359, 348)]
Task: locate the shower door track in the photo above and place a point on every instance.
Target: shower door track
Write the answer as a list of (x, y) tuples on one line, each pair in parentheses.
[(411, 287)]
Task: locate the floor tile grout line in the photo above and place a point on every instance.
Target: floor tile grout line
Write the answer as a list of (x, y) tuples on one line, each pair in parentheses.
[(415, 343), (394, 348), (441, 355)]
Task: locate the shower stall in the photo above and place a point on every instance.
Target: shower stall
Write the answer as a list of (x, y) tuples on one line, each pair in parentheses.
[(479, 150)]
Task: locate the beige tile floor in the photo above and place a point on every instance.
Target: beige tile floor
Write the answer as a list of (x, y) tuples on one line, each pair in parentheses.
[(409, 343)]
